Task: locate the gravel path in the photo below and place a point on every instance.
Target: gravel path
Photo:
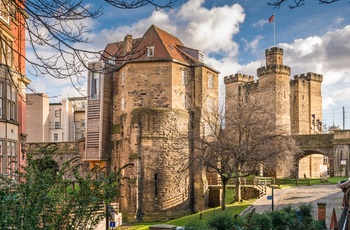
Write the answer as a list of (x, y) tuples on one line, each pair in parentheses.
[(329, 194)]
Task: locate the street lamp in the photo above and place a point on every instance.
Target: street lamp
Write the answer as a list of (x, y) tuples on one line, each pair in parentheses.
[(23, 144)]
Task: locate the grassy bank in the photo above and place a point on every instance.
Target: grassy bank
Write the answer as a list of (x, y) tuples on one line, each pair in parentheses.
[(233, 209)]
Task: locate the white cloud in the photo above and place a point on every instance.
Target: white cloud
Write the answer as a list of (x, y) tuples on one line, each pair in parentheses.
[(210, 30), (327, 55), (213, 31), (338, 20), (260, 23), (252, 45)]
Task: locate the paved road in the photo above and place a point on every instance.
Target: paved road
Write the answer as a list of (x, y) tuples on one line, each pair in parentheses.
[(329, 194)]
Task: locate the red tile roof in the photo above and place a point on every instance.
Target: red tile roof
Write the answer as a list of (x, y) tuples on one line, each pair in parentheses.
[(166, 47)]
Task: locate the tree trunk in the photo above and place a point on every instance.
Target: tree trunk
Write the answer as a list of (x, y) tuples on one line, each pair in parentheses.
[(223, 194), (238, 195)]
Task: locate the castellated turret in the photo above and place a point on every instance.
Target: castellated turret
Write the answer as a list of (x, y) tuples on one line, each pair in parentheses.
[(238, 77), (274, 55), (306, 103), (274, 63), (274, 87), (309, 76)]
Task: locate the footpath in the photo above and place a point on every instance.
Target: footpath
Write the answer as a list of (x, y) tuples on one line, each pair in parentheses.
[(329, 194)]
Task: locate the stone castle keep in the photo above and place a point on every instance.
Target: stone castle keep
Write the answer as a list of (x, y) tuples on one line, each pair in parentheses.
[(146, 97), (297, 103)]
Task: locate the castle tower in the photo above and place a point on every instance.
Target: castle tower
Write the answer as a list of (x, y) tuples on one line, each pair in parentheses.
[(149, 108), (274, 87), (237, 85), (306, 103)]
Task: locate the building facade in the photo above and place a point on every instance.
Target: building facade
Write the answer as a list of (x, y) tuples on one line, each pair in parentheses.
[(145, 99), (55, 122), (296, 103), (13, 83)]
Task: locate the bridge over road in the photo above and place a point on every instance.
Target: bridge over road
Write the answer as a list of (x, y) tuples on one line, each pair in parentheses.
[(335, 146)]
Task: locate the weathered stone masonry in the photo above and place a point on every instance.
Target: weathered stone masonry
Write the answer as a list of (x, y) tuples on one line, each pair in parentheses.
[(155, 115)]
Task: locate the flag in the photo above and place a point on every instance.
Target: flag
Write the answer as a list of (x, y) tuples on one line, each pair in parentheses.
[(271, 18)]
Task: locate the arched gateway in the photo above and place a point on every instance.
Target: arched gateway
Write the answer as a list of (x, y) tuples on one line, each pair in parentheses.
[(335, 148)]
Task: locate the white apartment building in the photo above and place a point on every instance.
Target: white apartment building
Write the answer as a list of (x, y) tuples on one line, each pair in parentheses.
[(55, 122)]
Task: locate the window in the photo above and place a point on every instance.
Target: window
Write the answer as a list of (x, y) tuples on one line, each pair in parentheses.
[(184, 77), (94, 85), (111, 60), (11, 103), (6, 50), (150, 51), (55, 136), (1, 97), (82, 124), (208, 130), (155, 185), (123, 104), (4, 11), (123, 76), (1, 156), (57, 113), (57, 125), (210, 104), (184, 101), (11, 157), (325, 159), (210, 81)]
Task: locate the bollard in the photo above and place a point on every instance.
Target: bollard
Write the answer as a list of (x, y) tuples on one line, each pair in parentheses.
[(321, 207)]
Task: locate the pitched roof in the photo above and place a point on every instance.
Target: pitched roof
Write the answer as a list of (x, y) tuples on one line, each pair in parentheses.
[(166, 47)]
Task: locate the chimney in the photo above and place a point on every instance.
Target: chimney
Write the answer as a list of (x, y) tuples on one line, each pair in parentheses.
[(127, 44)]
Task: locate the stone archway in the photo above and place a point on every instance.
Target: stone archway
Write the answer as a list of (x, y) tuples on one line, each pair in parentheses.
[(314, 163), (43, 165)]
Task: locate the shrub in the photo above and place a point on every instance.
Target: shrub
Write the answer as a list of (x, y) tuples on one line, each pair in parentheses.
[(221, 221), (197, 225), (260, 222)]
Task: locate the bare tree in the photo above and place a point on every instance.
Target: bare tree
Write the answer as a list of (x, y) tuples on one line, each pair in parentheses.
[(60, 28), (297, 3), (244, 142)]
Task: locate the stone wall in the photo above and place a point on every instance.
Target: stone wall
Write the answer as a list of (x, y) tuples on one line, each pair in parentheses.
[(311, 166), (158, 146)]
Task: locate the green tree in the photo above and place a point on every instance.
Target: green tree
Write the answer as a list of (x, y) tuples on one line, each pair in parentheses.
[(47, 197)]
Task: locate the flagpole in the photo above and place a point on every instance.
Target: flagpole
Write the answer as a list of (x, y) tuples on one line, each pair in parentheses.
[(274, 30)]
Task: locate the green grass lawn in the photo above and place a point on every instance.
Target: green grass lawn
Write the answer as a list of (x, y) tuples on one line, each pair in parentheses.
[(292, 182), (235, 208)]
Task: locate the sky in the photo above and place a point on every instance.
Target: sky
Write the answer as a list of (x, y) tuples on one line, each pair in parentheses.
[(234, 34)]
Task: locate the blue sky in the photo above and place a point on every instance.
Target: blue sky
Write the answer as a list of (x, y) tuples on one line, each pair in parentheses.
[(234, 35)]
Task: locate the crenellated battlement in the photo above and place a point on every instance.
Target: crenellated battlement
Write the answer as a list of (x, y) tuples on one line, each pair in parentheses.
[(238, 77), (274, 50), (273, 69), (310, 76)]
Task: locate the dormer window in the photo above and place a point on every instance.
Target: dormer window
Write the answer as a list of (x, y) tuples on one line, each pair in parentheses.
[(111, 60), (150, 51)]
